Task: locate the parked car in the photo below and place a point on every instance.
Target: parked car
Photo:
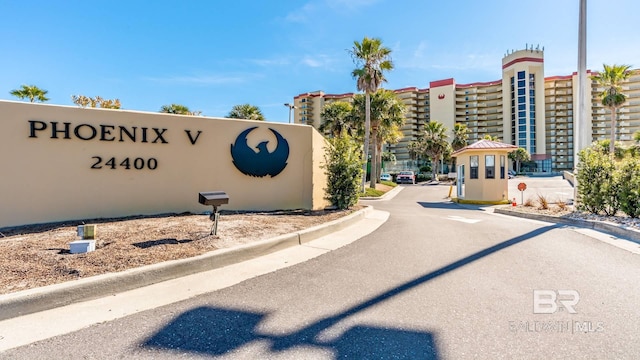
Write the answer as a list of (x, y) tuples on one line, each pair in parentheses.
[(511, 174), (406, 177), (385, 177)]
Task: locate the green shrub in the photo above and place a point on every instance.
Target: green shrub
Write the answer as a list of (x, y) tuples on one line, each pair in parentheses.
[(343, 166), (597, 182), (425, 169), (423, 177), (629, 187)]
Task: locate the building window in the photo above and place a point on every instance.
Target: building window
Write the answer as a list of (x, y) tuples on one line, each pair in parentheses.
[(520, 75), (473, 166), (502, 162), (490, 166)]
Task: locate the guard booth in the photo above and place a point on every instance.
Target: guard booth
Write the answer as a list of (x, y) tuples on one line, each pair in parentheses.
[(482, 173)]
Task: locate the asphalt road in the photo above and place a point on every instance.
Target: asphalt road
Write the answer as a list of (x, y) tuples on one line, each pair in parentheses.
[(436, 281)]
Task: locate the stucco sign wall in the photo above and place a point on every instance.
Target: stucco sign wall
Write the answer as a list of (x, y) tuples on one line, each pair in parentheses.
[(63, 163)]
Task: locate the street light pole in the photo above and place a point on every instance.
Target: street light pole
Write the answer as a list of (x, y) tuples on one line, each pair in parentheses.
[(290, 106)]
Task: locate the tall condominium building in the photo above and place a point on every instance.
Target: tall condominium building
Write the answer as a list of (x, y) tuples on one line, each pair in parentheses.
[(523, 108)]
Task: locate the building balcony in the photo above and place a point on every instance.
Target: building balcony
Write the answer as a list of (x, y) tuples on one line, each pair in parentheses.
[(468, 91)]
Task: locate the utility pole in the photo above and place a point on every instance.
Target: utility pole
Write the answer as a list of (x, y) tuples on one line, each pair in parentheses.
[(581, 131)]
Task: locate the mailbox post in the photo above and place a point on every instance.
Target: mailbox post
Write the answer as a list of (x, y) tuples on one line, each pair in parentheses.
[(215, 199)]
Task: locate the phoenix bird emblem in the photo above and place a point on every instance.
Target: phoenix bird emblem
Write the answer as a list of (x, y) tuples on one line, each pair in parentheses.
[(259, 163)]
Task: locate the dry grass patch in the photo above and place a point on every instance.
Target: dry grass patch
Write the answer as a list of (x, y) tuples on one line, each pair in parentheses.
[(39, 255)]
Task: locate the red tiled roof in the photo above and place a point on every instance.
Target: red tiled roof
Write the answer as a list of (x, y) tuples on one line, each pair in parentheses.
[(485, 145), (439, 83)]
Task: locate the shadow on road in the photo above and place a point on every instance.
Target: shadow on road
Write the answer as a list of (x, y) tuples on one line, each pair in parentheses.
[(217, 331), (439, 205)]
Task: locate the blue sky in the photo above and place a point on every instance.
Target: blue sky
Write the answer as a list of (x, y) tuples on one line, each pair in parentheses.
[(212, 55)]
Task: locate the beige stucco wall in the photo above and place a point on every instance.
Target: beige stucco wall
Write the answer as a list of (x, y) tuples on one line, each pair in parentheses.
[(443, 109), (481, 189), (46, 179)]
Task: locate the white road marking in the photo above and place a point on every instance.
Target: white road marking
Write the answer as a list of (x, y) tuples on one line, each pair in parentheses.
[(463, 219)]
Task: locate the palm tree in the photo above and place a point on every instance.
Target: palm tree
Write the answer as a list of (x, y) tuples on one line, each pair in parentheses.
[(460, 136), (390, 134), (246, 111), (490, 137), (31, 92), (372, 60), (460, 139), (386, 117), (415, 148), (178, 109), (635, 148), (612, 97), (337, 117), (519, 155), (435, 143)]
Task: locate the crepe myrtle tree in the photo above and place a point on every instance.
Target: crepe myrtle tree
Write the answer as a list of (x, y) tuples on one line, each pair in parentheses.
[(95, 102)]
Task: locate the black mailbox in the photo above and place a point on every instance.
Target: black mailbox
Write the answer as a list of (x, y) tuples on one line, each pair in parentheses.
[(215, 199)]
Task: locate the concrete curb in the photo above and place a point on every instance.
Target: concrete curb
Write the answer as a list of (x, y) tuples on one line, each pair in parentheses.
[(57, 295), (389, 193), (613, 229)]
